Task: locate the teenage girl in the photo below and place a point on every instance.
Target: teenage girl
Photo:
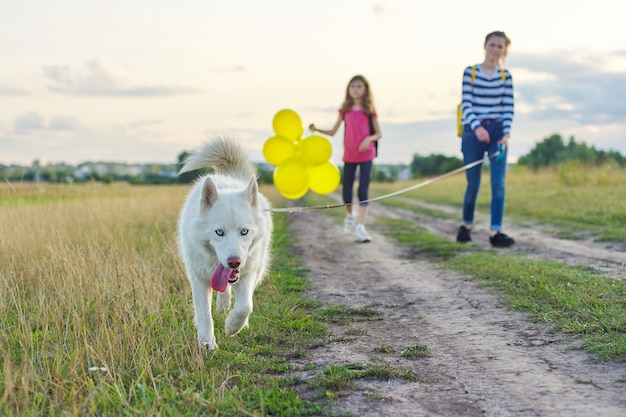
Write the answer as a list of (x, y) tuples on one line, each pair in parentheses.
[(487, 106)]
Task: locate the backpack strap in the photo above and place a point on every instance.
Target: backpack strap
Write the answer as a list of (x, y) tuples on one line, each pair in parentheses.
[(370, 119), (502, 74)]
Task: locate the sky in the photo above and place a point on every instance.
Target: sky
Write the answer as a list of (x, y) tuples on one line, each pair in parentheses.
[(141, 81)]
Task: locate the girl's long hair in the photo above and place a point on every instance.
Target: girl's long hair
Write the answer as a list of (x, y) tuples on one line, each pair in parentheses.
[(367, 102)]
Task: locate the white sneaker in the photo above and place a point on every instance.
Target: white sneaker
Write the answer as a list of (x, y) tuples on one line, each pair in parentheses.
[(360, 234), (348, 224)]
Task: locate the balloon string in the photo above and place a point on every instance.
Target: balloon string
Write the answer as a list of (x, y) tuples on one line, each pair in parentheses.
[(404, 190)]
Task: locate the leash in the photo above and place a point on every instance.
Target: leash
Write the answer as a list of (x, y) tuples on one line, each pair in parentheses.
[(498, 154)]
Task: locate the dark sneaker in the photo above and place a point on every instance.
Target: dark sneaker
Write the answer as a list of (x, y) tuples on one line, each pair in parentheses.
[(464, 235), (500, 240)]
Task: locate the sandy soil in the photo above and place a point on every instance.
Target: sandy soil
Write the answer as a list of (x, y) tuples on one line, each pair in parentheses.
[(485, 360)]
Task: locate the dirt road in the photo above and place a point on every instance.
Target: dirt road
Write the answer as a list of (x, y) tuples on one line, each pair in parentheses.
[(485, 360)]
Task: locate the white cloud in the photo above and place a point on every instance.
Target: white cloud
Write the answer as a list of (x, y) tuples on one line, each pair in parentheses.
[(558, 84), (235, 69), (29, 122), (97, 78), (64, 123), (388, 11), (12, 91), (35, 122)]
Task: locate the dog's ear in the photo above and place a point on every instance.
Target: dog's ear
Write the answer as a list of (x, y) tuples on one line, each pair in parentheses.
[(252, 190), (209, 193)]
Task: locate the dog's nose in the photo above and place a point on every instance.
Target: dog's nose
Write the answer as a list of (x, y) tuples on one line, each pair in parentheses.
[(234, 262)]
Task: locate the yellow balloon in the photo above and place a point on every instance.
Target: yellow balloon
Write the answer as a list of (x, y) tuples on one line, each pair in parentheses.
[(277, 149), (291, 177), (287, 123), (296, 196), (315, 150), (298, 143), (325, 178)]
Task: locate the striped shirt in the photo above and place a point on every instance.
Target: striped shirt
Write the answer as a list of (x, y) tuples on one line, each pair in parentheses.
[(487, 98)]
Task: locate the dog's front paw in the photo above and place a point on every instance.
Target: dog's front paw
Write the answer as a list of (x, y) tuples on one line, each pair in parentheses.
[(206, 345), (234, 324), (223, 301)]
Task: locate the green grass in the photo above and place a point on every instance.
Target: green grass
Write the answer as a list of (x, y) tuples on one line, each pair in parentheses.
[(384, 349), (574, 299), (430, 246), (415, 352), (343, 315), (356, 332), (577, 199), (336, 380)]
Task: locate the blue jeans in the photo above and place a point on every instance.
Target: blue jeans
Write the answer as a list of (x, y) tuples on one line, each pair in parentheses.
[(474, 150), (365, 174)]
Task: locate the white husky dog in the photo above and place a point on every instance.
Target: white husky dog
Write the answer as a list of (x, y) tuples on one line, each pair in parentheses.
[(225, 232)]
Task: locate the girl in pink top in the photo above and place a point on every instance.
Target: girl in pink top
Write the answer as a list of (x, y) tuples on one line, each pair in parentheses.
[(361, 131)]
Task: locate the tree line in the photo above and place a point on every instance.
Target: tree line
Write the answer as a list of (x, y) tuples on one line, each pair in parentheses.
[(550, 152), (553, 151)]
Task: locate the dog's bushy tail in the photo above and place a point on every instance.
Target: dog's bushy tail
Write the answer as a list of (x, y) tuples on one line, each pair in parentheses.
[(225, 155)]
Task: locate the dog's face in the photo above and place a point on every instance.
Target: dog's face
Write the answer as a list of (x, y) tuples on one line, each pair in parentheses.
[(229, 223)]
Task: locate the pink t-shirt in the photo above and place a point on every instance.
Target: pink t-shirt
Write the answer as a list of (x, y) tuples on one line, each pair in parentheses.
[(357, 128)]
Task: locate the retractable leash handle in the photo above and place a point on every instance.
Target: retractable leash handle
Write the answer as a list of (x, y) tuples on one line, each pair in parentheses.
[(499, 154)]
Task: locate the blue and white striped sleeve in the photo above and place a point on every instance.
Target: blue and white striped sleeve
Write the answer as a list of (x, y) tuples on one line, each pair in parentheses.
[(508, 104)]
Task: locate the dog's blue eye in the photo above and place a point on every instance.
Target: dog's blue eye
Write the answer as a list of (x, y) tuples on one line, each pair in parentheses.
[(244, 232), (219, 232)]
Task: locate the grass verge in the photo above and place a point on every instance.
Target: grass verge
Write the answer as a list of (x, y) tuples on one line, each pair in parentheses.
[(575, 300)]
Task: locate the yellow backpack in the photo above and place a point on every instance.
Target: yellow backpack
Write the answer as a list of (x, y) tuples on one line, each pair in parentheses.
[(459, 112)]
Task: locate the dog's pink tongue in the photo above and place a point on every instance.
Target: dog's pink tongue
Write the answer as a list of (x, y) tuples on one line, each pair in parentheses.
[(219, 279)]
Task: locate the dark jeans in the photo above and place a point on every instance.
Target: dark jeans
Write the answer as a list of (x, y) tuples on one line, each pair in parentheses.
[(474, 150), (365, 174)]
